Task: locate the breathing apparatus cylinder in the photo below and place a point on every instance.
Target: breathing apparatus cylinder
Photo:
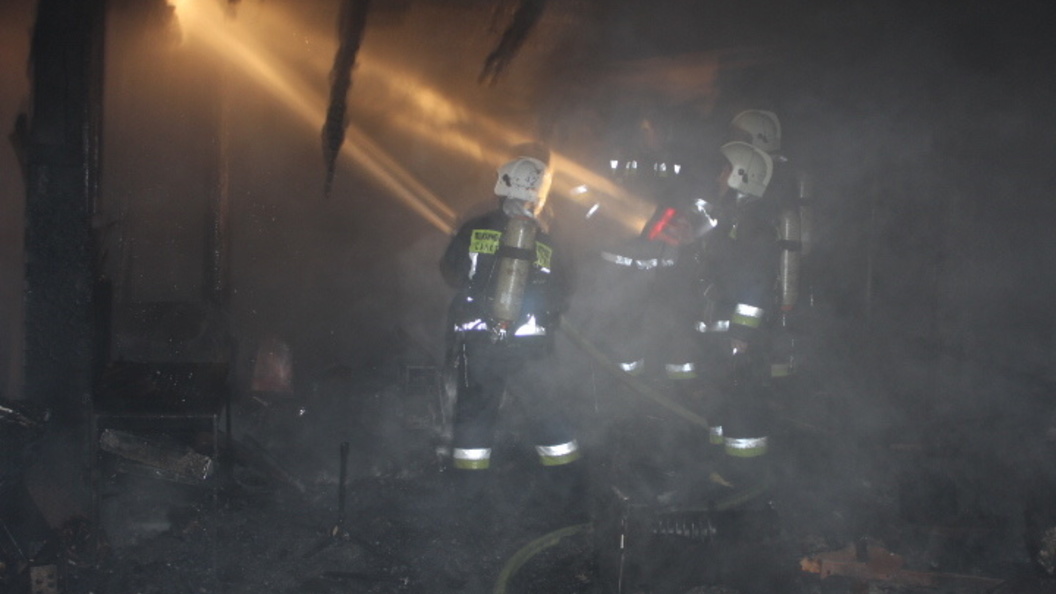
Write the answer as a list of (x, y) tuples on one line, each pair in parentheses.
[(783, 350), (791, 244), (795, 236), (806, 218), (516, 256)]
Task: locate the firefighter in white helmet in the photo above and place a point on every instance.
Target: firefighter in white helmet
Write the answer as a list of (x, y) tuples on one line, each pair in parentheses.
[(791, 188), (511, 289), (642, 292), (738, 264), (758, 128)]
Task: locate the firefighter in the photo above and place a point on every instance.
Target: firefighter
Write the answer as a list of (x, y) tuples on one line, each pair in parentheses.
[(641, 311), (642, 293), (511, 289), (643, 281), (738, 263), (790, 188)]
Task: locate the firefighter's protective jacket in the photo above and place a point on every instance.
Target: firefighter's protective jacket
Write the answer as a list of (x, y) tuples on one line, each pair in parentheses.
[(470, 264), (524, 358), (739, 262)]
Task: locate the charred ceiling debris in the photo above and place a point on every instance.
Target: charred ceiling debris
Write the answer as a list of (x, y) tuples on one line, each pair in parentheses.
[(523, 21), (352, 23), (338, 489)]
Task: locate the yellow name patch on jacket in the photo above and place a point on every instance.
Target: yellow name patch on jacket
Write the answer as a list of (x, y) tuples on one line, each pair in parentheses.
[(542, 255), (487, 241)]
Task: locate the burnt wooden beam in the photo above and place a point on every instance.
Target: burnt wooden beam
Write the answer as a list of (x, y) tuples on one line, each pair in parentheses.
[(62, 181)]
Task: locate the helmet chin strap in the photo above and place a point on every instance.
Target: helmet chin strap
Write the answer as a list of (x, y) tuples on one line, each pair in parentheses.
[(518, 208), (743, 198)]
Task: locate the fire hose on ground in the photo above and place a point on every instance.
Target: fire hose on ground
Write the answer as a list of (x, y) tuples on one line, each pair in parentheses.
[(533, 548), (537, 546)]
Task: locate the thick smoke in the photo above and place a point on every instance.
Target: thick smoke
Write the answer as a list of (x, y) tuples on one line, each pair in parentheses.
[(926, 129)]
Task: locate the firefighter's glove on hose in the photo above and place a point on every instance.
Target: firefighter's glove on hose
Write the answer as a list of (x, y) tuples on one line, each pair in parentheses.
[(499, 331)]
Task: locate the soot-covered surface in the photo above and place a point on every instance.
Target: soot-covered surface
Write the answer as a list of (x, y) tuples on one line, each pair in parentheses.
[(277, 524)]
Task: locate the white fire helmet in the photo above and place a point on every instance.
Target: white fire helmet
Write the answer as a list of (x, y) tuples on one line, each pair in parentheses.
[(762, 127), (524, 178), (751, 168)]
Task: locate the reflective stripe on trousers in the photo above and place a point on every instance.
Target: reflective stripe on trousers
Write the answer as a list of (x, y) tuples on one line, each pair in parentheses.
[(680, 371), (781, 370), (472, 459), (529, 328), (745, 447), (557, 455), (747, 315), (633, 367), (715, 435), (719, 326)]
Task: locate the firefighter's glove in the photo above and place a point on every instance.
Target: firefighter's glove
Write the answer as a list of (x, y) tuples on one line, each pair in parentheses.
[(499, 331)]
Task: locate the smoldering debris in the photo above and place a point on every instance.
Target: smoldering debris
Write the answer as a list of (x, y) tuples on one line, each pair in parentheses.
[(867, 561), (395, 531)]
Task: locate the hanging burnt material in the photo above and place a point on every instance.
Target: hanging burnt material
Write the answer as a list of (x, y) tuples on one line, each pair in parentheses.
[(352, 22), (524, 20), (20, 142)]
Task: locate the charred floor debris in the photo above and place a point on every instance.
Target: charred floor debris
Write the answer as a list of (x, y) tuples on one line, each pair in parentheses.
[(344, 492)]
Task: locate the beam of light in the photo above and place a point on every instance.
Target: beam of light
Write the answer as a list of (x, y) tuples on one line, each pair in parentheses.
[(203, 21), (413, 107), (424, 113), (490, 141)]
